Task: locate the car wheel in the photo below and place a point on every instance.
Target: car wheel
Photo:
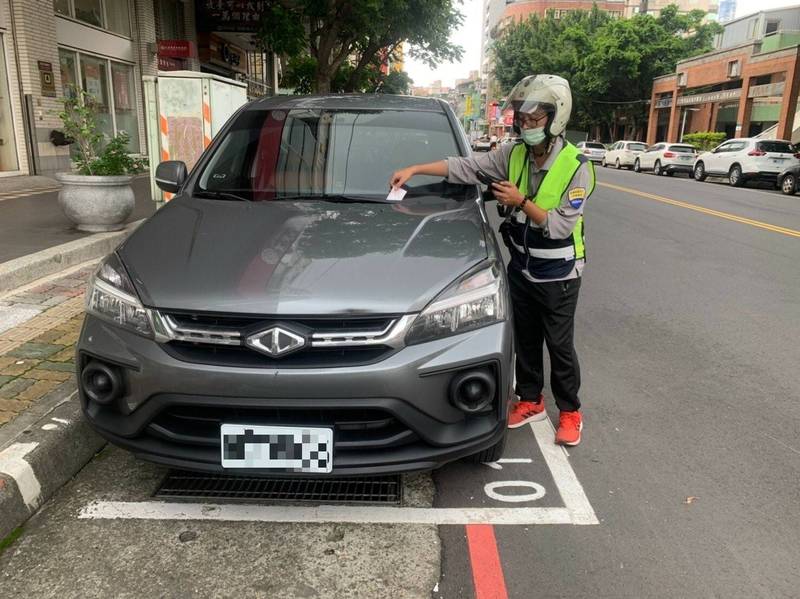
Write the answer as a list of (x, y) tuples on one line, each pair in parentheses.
[(735, 176), (669, 173), (637, 167), (492, 454), (616, 165), (603, 163), (699, 172), (789, 185), (657, 169)]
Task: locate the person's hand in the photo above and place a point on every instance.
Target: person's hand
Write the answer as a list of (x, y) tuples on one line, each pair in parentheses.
[(400, 177), (507, 193)]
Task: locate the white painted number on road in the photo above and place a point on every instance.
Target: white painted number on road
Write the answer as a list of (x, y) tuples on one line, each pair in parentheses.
[(491, 491)]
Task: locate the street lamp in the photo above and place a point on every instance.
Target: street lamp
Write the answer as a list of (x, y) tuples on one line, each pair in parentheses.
[(683, 124)]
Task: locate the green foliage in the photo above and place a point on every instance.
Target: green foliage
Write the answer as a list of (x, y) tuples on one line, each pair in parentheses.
[(300, 72), (333, 45), (610, 63), (94, 157), (6, 542), (705, 140)]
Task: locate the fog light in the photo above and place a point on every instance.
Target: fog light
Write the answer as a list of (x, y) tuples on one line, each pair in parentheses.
[(472, 391), (101, 382)]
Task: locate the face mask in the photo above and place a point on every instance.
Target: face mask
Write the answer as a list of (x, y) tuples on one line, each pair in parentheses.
[(533, 137)]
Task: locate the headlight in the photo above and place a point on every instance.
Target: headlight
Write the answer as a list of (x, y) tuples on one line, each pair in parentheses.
[(111, 296), (475, 301)]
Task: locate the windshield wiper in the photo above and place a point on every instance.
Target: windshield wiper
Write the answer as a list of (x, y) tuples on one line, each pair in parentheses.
[(219, 195)]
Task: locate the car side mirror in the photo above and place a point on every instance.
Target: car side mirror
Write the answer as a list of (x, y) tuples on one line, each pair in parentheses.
[(170, 175)]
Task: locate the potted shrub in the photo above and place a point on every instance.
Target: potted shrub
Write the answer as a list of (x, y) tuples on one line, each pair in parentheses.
[(97, 196)]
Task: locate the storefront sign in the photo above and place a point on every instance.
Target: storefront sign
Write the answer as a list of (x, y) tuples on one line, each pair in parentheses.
[(767, 90), (727, 94), (169, 64), (664, 102), (176, 49), (47, 80), (228, 15), (218, 51), (508, 117)]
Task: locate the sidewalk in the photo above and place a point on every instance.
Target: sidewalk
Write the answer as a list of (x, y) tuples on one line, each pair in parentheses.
[(39, 327), (32, 222), (26, 184)]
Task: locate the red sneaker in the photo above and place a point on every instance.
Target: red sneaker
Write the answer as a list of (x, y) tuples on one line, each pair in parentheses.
[(570, 425), (526, 411)]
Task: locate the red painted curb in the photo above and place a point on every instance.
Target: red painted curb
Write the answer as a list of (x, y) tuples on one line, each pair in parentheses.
[(487, 573)]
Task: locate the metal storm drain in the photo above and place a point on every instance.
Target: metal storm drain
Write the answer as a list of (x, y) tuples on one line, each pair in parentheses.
[(192, 485)]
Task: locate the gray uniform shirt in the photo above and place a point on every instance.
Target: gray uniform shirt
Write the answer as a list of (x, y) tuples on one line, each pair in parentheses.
[(559, 222)]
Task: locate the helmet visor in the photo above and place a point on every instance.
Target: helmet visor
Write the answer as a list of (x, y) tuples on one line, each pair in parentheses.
[(531, 114)]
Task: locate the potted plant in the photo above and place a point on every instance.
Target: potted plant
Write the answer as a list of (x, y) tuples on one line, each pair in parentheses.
[(97, 196)]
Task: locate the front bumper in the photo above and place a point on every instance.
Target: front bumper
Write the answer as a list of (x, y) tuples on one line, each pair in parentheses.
[(170, 409)]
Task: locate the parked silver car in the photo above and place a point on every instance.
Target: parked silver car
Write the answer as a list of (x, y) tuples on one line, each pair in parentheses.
[(281, 315)]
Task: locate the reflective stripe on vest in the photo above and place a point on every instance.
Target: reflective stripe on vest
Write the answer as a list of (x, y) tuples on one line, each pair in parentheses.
[(563, 253), (553, 186)]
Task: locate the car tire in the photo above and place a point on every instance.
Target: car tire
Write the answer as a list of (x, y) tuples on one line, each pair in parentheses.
[(603, 163), (657, 169), (699, 172), (789, 185), (637, 167), (491, 454), (735, 176), (669, 173), (616, 164)]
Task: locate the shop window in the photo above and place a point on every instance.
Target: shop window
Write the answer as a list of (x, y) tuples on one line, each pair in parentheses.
[(125, 102), (69, 72), (89, 11), (113, 15), (94, 79)]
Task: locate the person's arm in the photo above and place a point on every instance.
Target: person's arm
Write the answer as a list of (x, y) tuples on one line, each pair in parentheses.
[(435, 169)]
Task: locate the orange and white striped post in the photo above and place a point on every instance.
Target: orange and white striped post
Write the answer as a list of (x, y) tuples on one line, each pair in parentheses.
[(163, 126)]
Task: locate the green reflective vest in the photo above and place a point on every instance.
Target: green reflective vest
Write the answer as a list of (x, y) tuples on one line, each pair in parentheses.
[(555, 182)]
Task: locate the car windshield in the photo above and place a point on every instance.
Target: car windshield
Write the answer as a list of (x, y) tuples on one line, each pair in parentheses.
[(683, 149), (305, 153), (594, 145), (782, 147), (637, 147)]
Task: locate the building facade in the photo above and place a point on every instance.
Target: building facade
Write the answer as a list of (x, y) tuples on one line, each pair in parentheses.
[(51, 48), (727, 10), (747, 86)]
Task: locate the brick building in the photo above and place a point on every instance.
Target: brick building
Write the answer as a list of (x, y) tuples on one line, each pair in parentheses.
[(747, 86), (105, 47)]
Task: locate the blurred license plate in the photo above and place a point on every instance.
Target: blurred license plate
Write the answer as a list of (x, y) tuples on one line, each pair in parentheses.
[(777, 160), (285, 448), (686, 157)]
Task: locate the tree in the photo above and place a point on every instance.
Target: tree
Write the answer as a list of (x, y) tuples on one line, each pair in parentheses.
[(352, 36), (610, 63)]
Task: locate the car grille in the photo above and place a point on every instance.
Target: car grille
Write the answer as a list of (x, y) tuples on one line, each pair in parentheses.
[(219, 339), (353, 429)]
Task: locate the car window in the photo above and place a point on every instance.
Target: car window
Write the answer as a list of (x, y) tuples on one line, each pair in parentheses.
[(726, 147), (595, 145), (637, 147), (735, 146), (268, 154), (783, 147), (682, 148)]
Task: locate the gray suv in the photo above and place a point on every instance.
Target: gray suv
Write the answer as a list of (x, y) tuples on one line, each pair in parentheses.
[(279, 314)]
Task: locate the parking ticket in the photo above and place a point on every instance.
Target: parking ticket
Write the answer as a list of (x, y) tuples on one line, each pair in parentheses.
[(396, 195)]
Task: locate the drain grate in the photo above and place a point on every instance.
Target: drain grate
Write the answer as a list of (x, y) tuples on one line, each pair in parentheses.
[(192, 485)]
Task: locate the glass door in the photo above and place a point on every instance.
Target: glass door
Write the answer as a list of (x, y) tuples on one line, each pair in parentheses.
[(8, 142)]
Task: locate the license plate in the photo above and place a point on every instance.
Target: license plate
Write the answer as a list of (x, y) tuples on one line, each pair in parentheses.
[(777, 160), (686, 157), (285, 448)]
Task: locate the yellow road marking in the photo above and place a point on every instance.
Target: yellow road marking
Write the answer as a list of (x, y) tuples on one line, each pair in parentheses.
[(725, 215)]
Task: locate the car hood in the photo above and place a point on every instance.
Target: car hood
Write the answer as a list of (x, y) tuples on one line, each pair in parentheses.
[(303, 258)]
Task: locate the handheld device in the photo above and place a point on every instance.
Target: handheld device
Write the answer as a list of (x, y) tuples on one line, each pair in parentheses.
[(486, 178)]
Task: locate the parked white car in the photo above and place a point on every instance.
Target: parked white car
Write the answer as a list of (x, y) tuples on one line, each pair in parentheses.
[(593, 150), (667, 159), (745, 159), (623, 153)]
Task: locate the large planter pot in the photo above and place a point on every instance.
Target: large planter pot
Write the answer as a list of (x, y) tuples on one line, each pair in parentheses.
[(96, 203)]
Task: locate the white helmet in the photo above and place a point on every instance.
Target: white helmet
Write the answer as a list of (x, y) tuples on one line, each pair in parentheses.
[(547, 92)]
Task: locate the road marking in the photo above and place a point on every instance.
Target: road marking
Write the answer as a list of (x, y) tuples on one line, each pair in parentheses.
[(491, 491), (13, 463), (696, 208), (577, 508), (487, 573), (568, 485)]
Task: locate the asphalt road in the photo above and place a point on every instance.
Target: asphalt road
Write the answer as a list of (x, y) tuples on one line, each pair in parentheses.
[(686, 484)]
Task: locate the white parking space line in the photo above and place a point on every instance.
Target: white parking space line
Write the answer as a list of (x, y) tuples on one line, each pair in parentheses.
[(577, 509), (155, 510)]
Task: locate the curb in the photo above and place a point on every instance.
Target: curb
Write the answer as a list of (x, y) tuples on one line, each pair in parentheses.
[(26, 269), (39, 452)]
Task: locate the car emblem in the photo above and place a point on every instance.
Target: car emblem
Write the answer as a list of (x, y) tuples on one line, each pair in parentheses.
[(275, 342)]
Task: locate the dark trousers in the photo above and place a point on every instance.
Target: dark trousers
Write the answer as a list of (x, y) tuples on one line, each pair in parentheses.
[(545, 313)]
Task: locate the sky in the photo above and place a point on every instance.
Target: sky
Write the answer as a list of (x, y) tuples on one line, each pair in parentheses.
[(469, 38)]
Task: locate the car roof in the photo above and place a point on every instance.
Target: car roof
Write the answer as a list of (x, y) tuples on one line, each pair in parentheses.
[(349, 101), (630, 141)]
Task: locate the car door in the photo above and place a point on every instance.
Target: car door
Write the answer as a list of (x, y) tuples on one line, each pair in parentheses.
[(715, 159), (732, 153), (646, 159)]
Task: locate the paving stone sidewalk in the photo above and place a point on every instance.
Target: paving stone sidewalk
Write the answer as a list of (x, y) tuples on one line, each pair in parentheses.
[(39, 327)]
